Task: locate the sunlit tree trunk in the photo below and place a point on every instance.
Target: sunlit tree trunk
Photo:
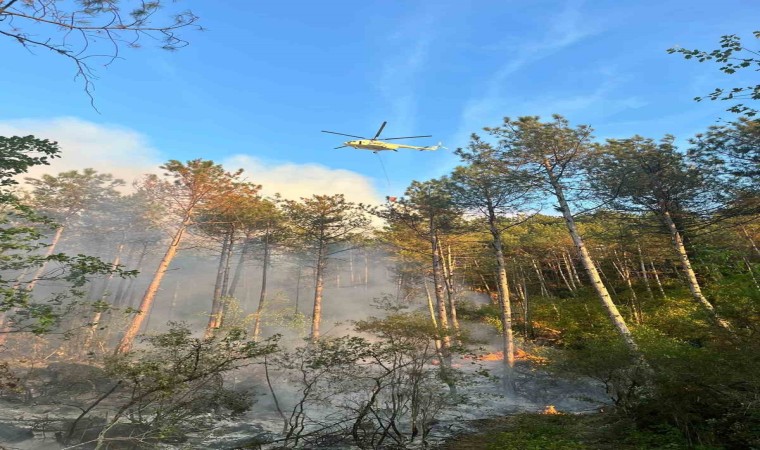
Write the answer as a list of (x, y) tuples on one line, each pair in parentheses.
[(448, 280), (319, 282), (431, 309), (504, 302), (691, 278), (263, 293), (443, 321), (568, 270), (228, 265), (571, 268), (528, 326), (216, 301), (644, 274), (656, 275), (621, 266), (541, 281), (561, 273), (128, 339), (612, 310)]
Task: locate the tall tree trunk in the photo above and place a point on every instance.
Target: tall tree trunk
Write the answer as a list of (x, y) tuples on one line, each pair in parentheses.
[(588, 264), (644, 274), (228, 264), (528, 325), (571, 267), (504, 302), (568, 270), (431, 308), (128, 339), (263, 293), (239, 268), (541, 281), (625, 273), (214, 316), (563, 277), (691, 277), (656, 275), (448, 280), (319, 282), (443, 320)]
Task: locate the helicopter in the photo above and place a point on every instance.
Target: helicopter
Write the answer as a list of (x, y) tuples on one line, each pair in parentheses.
[(377, 145)]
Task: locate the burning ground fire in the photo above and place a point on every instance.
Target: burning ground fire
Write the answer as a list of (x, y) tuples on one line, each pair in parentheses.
[(520, 355)]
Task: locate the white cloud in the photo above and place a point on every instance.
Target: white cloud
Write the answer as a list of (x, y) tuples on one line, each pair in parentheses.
[(127, 154)]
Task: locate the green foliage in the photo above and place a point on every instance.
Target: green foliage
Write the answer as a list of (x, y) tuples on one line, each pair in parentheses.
[(606, 431), (18, 154), (733, 56), (706, 391), (22, 228), (177, 379)]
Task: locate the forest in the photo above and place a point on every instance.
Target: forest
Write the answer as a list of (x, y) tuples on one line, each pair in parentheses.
[(630, 264), (554, 290)]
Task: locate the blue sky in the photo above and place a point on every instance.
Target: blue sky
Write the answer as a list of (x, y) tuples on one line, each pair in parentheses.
[(266, 77)]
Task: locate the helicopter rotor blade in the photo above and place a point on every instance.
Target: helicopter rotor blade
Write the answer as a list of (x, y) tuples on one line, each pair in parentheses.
[(344, 134), (407, 137), (379, 131)]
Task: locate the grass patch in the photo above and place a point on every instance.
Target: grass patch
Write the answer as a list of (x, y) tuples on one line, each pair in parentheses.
[(605, 431)]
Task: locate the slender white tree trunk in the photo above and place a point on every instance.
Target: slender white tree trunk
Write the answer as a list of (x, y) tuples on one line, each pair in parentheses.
[(751, 241), (263, 293), (612, 310), (505, 303), (656, 276), (319, 283), (691, 277)]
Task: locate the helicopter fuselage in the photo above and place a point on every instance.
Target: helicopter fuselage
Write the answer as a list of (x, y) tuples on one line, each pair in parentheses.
[(372, 145), (377, 146)]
